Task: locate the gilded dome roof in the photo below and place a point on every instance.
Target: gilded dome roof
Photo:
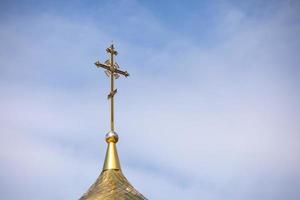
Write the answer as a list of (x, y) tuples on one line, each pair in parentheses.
[(112, 184)]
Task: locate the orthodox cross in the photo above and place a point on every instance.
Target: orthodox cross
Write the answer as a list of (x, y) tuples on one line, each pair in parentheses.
[(112, 71)]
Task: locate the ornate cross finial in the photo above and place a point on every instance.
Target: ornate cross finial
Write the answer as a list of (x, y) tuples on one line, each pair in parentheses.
[(111, 70)]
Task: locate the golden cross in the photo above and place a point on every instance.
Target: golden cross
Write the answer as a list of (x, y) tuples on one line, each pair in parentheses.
[(113, 72)]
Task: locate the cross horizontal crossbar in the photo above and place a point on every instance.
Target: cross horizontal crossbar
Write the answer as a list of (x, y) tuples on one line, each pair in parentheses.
[(124, 73)]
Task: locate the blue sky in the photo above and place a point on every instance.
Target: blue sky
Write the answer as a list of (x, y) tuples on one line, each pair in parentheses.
[(210, 111)]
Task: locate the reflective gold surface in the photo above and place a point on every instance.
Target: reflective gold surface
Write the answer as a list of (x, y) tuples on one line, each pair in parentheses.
[(112, 185)]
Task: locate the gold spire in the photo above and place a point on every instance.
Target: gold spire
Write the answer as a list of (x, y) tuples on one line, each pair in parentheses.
[(111, 159), (112, 184)]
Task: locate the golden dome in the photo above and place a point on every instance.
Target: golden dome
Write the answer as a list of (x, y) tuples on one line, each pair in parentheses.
[(112, 184)]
